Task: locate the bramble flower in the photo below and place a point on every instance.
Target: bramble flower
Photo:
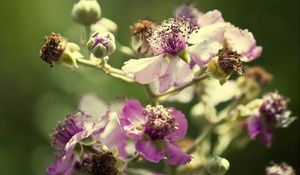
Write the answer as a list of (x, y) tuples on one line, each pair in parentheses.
[(272, 111), (155, 130), (57, 49), (140, 32), (102, 44), (198, 18), (280, 169), (168, 42), (79, 146)]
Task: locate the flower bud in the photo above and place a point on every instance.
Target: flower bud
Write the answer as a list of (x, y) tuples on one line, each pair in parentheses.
[(86, 12), (140, 31), (217, 166), (102, 44), (58, 50), (224, 65)]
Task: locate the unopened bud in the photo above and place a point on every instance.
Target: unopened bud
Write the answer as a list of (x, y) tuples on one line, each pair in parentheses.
[(86, 12), (102, 44), (217, 166)]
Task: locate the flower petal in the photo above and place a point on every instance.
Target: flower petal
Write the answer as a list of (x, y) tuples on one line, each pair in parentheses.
[(149, 150), (211, 17), (254, 126), (144, 70), (182, 125), (132, 120), (203, 52), (62, 166), (91, 105), (166, 81), (117, 138), (183, 73), (175, 155), (266, 137), (214, 32), (243, 42)]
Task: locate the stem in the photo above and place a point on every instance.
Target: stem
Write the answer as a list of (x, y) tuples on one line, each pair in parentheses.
[(114, 72), (151, 96), (87, 32), (207, 131), (133, 159), (125, 50)]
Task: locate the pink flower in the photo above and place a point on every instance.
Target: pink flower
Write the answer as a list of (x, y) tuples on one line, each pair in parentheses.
[(155, 130)]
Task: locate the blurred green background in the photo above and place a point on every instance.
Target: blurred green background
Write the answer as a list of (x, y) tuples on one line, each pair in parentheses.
[(34, 96)]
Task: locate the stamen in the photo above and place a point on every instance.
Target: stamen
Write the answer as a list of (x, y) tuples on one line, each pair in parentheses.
[(230, 62), (103, 163), (160, 122)]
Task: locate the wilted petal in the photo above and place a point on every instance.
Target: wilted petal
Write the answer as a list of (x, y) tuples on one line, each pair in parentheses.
[(210, 17), (266, 137), (175, 155), (149, 150), (132, 119), (254, 126), (243, 42), (144, 70), (182, 125), (203, 52)]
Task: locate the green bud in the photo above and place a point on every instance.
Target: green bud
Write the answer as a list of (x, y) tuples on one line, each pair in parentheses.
[(217, 166), (216, 72), (86, 12), (102, 44)]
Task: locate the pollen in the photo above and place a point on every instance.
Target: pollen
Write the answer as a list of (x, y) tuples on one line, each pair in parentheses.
[(160, 121)]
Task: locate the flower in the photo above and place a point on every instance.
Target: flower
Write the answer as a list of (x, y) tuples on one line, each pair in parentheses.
[(280, 169), (57, 49), (155, 130), (168, 42), (102, 44), (140, 32), (272, 112), (79, 145)]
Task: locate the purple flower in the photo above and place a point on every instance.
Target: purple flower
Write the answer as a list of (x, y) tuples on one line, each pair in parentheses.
[(155, 130), (78, 139), (272, 111), (280, 169)]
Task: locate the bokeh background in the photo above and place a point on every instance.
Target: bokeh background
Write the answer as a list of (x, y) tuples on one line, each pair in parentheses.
[(34, 96)]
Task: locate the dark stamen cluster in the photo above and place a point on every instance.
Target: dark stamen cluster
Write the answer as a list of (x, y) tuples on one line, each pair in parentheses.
[(259, 75), (53, 48), (230, 62), (103, 163)]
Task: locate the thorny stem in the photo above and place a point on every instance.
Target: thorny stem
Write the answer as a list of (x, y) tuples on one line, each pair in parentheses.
[(114, 72)]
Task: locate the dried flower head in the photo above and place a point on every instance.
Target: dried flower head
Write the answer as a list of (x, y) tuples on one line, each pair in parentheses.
[(259, 75), (230, 62), (53, 48), (143, 28)]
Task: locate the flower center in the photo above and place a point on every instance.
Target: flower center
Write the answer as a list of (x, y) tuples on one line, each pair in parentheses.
[(230, 62), (103, 163), (159, 122), (171, 36)]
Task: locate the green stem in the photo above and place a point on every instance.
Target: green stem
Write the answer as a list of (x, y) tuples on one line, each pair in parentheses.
[(87, 32), (133, 159), (125, 50), (114, 72), (151, 96)]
